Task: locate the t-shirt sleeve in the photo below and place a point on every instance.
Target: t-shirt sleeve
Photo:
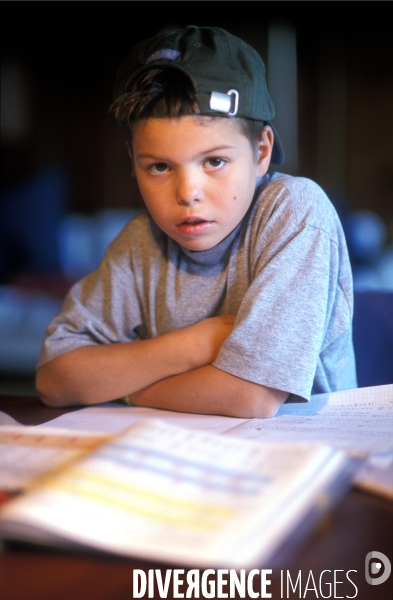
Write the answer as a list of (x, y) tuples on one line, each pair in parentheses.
[(101, 308), (295, 308)]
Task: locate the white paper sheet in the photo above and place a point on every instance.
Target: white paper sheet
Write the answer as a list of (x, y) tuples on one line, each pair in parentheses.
[(115, 417), (7, 420), (358, 421)]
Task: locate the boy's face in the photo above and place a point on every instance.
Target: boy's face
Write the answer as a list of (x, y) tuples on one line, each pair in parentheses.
[(197, 175)]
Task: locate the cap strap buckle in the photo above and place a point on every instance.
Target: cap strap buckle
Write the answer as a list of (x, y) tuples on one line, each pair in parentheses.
[(223, 102)]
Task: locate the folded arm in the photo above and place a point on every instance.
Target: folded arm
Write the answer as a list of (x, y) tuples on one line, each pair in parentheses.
[(99, 373), (173, 371), (209, 390)]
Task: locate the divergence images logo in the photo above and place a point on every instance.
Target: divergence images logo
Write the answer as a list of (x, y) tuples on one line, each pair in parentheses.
[(374, 562)]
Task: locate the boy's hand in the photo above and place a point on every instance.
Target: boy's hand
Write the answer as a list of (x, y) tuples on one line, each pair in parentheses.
[(207, 337)]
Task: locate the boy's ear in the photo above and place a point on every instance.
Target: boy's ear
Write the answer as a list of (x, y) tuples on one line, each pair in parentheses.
[(264, 151)]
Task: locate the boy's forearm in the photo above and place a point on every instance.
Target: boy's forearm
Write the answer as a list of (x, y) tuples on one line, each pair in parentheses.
[(94, 374), (99, 373), (209, 390)]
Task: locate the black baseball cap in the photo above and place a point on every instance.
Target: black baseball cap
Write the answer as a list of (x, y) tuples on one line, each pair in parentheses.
[(228, 75)]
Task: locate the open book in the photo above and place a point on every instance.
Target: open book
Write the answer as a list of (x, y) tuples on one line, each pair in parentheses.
[(174, 495), (358, 422)]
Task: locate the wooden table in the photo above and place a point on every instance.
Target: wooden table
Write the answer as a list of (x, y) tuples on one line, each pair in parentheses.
[(359, 524)]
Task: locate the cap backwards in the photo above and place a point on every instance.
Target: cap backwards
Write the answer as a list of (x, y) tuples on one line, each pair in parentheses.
[(228, 75)]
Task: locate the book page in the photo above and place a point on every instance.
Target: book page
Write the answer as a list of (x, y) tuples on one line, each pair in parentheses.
[(357, 421), (168, 493), (115, 417), (28, 452)]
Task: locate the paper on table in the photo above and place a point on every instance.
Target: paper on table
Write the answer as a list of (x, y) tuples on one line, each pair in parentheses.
[(358, 421), (115, 417), (7, 419), (167, 493)]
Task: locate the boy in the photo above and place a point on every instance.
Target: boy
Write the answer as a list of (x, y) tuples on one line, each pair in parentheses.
[(233, 293)]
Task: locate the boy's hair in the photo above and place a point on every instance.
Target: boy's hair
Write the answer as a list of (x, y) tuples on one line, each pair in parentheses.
[(220, 75), (168, 92)]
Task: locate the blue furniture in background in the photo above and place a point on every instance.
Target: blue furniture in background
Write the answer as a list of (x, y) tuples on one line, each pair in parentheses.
[(373, 337), (31, 212)]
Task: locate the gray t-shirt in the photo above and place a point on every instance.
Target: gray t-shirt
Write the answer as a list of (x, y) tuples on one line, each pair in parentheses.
[(284, 272)]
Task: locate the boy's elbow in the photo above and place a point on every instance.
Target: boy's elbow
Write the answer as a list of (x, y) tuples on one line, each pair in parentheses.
[(266, 410), (265, 402), (49, 388)]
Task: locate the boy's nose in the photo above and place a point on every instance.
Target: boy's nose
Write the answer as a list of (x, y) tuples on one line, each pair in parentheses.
[(188, 190)]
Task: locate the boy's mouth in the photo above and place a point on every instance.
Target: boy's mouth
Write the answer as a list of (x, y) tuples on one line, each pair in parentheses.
[(192, 221), (194, 225)]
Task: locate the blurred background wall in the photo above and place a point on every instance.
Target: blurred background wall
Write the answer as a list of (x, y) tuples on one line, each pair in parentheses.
[(66, 186)]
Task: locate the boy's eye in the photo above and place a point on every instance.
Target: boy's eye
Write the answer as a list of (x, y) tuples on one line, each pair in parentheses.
[(158, 168), (214, 163)]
